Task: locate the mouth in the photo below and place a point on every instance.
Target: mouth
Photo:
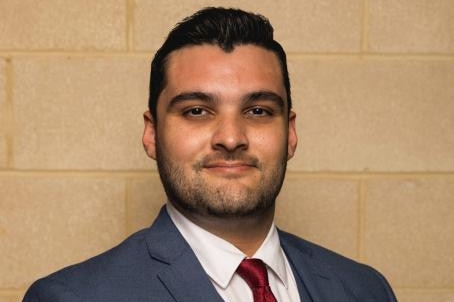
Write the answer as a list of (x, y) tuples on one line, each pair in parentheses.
[(230, 168), (229, 165)]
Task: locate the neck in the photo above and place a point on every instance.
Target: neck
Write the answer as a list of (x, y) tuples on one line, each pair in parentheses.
[(245, 233)]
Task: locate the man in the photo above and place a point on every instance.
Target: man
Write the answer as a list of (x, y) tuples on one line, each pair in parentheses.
[(221, 129)]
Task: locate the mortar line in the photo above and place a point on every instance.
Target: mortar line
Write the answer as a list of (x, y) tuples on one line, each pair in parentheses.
[(362, 192), (127, 205), (52, 53), (426, 289), (9, 116), (12, 292), (369, 175), (20, 291), (365, 27), (146, 173), (130, 25), (290, 55), (78, 173), (372, 55)]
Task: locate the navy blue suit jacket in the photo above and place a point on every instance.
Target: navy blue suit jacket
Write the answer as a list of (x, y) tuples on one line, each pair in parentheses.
[(157, 264)]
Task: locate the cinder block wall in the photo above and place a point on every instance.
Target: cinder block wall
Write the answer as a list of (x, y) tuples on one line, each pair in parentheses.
[(373, 83)]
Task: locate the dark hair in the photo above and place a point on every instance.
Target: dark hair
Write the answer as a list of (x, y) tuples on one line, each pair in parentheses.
[(223, 27)]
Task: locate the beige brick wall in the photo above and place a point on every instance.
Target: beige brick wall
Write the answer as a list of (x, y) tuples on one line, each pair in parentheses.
[(373, 178)]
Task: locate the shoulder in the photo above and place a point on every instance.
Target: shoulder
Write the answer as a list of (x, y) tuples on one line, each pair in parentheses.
[(100, 277), (322, 254), (50, 290), (128, 272), (357, 279)]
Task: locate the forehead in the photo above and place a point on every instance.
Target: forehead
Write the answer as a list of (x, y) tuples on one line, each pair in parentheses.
[(247, 67)]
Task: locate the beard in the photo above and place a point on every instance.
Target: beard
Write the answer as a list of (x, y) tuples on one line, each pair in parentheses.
[(228, 198)]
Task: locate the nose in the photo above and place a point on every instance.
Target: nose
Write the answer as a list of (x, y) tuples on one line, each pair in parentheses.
[(230, 135)]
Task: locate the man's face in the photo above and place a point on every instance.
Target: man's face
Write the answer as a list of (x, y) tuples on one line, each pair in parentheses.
[(223, 134)]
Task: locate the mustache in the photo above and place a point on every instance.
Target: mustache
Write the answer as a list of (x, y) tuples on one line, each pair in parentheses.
[(227, 157)]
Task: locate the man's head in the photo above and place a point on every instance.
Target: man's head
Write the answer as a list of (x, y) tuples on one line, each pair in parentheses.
[(222, 129), (225, 28)]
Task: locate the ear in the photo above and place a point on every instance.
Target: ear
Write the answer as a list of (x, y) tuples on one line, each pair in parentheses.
[(149, 135), (292, 137)]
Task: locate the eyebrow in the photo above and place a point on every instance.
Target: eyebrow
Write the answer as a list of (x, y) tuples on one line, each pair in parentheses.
[(194, 95), (263, 95)]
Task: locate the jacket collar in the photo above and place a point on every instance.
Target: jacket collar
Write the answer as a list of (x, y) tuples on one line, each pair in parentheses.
[(181, 274), (185, 279), (321, 282)]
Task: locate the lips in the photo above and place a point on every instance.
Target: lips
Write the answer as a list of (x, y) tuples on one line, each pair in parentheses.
[(229, 170), (230, 166)]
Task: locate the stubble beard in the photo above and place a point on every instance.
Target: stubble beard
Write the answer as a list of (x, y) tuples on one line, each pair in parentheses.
[(228, 200)]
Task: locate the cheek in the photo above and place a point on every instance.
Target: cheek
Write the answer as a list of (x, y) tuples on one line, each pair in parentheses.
[(271, 145), (182, 144)]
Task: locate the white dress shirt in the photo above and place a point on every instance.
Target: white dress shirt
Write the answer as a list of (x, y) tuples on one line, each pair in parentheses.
[(220, 259)]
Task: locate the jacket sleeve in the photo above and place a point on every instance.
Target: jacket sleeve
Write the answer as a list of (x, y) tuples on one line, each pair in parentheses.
[(49, 290), (386, 287)]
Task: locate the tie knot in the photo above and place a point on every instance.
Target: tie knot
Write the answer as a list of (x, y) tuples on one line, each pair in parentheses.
[(253, 271)]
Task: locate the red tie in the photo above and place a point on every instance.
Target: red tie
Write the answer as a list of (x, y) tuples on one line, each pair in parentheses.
[(253, 271)]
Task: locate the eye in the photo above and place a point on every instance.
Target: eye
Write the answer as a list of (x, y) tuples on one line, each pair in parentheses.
[(258, 111), (195, 112)]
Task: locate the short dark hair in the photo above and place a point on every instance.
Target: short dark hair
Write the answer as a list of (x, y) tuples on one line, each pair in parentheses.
[(224, 27)]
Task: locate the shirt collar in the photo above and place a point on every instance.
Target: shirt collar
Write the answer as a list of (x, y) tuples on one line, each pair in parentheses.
[(219, 258), (272, 254)]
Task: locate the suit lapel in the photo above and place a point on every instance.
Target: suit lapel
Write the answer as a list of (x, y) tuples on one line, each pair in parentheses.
[(181, 272), (183, 276), (321, 283), (186, 281)]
